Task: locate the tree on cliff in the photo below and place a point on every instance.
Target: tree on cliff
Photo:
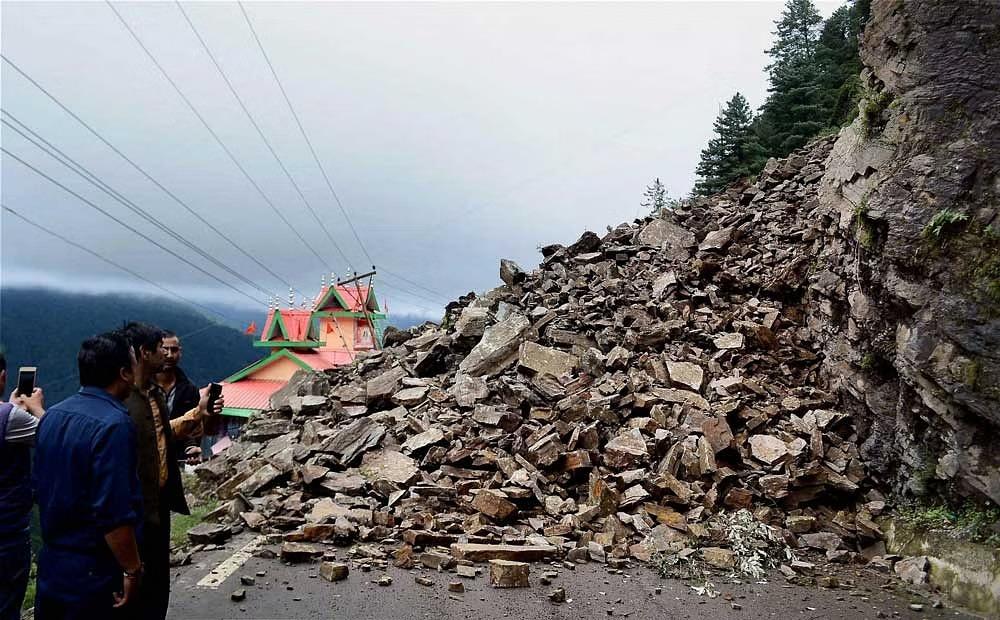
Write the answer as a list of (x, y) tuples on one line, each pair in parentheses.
[(654, 197), (794, 111), (734, 151), (839, 61)]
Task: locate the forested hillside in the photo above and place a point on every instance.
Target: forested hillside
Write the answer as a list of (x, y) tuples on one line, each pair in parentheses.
[(44, 328)]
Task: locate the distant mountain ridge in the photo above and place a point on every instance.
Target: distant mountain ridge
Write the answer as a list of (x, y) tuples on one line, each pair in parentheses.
[(44, 328)]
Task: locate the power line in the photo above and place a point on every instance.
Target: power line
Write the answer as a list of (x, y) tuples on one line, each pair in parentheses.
[(142, 171), (315, 156), (211, 131), (76, 167), (97, 255), (123, 224), (412, 283), (305, 136), (260, 133), (436, 308), (413, 294)]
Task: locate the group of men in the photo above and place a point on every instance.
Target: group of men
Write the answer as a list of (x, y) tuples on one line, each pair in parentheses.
[(106, 478)]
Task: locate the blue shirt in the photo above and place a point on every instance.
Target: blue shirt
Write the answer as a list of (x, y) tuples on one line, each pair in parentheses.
[(86, 485)]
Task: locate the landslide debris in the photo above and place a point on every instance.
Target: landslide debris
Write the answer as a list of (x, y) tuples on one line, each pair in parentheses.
[(623, 401)]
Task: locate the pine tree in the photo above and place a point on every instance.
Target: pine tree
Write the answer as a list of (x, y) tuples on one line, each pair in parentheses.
[(796, 35), (733, 153), (655, 196), (839, 61), (794, 111)]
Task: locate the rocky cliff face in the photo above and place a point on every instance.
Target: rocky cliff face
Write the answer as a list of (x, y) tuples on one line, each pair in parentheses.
[(913, 184)]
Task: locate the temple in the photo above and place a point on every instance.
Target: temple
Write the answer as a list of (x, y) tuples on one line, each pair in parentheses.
[(343, 320)]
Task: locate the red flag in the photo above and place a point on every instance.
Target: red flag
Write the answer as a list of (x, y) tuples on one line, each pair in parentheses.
[(251, 328)]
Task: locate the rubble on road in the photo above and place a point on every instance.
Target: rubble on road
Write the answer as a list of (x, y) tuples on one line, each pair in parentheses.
[(617, 402)]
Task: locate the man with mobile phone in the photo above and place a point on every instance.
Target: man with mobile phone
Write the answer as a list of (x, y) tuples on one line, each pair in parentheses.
[(180, 395), (88, 493), (159, 473), (18, 425)]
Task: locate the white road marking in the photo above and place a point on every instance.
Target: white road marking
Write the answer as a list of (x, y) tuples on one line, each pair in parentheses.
[(230, 565)]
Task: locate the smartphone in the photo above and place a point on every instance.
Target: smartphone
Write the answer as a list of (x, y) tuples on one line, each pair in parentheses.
[(214, 391), (26, 380)]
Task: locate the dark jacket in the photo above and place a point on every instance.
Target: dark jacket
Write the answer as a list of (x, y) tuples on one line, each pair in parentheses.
[(186, 395), (15, 482), (156, 501)]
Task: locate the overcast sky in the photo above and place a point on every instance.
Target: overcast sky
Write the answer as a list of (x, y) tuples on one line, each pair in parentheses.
[(454, 134)]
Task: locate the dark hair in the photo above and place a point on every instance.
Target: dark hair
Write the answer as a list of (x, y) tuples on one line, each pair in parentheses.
[(143, 336), (101, 357), (3, 362), (169, 334)]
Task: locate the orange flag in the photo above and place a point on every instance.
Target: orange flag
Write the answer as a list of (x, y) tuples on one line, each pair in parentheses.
[(251, 328)]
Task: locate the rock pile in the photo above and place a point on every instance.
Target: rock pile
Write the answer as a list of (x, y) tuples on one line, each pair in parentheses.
[(604, 406)]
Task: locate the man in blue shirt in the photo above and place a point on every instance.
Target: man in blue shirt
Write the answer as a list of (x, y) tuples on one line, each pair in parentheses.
[(88, 493)]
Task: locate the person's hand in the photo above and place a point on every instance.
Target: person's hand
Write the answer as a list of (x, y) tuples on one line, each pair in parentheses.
[(34, 404), (203, 403), (193, 455), (130, 585)]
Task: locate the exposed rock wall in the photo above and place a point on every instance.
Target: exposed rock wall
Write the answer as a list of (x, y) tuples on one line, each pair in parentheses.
[(914, 185)]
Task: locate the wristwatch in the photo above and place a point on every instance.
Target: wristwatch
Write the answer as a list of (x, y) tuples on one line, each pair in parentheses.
[(136, 573)]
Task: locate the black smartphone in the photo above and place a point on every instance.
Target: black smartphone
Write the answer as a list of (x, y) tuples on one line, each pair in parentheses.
[(26, 380), (214, 391)]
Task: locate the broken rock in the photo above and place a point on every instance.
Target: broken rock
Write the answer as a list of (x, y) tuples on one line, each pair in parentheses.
[(508, 574)]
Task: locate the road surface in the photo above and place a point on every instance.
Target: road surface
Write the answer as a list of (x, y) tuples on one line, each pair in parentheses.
[(296, 591)]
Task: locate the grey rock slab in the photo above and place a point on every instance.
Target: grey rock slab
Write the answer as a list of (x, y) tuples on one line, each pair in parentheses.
[(390, 465), (716, 240), (536, 359), (353, 440), (728, 341), (422, 440), (384, 385), (497, 349), (767, 448), (673, 239), (687, 374)]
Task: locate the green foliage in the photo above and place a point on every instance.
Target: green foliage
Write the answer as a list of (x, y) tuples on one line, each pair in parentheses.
[(734, 151), (865, 231), (868, 362), (676, 566), (814, 89), (29, 594), (944, 221), (654, 197), (968, 521), (986, 270), (972, 373), (813, 76), (872, 118), (180, 524)]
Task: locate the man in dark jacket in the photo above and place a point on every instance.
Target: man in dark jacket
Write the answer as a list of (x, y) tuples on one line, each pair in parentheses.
[(18, 424), (159, 473), (178, 392)]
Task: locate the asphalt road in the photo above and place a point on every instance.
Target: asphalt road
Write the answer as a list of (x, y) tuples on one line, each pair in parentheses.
[(296, 591)]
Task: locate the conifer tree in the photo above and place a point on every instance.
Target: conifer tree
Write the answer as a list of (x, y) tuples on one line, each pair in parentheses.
[(732, 153), (654, 197), (794, 111)]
